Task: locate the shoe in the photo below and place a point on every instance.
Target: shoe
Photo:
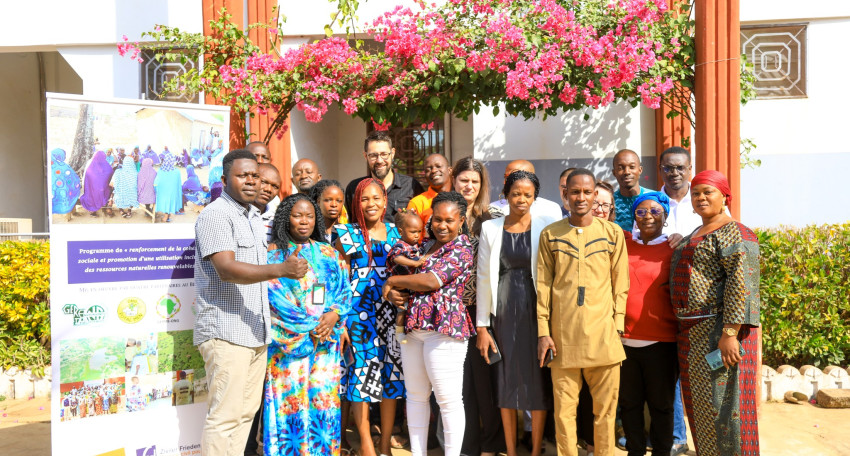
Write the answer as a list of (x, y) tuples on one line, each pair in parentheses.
[(621, 443), (681, 448)]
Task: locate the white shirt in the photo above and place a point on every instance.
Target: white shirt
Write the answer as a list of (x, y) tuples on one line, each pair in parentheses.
[(268, 216), (541, 207)]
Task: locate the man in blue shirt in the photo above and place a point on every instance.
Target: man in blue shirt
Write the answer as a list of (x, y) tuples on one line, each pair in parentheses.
[(627, 171)]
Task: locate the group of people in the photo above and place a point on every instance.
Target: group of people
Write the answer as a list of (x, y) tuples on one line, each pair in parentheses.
[(125, 181), (88, 401), (487, 310)]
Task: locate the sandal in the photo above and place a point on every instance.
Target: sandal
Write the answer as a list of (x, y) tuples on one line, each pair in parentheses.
[(399, 441)]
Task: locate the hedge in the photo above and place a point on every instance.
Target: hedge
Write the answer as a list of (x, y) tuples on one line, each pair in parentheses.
[(805, 296), (805, 307), (24, 304)]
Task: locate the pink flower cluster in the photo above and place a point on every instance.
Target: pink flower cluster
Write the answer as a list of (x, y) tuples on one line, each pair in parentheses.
[(535, 54), (129, 48)]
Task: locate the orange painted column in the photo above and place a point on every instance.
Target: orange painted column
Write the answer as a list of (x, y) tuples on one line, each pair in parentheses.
[(262, 11), (258, 11), (671, 132), (717, 89), (212, 11)]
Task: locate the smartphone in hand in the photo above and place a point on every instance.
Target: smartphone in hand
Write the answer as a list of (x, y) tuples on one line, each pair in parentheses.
[(550, 356)]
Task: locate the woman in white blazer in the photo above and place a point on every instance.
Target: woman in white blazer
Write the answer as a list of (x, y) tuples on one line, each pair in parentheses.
[(507, 302)]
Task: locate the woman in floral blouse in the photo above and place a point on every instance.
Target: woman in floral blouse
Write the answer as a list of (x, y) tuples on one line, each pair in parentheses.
[(438, 325)]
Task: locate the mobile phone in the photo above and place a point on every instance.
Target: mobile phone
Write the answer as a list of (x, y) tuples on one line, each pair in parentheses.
[(550, 356), (348, 356), (493, 354), (715, 359)]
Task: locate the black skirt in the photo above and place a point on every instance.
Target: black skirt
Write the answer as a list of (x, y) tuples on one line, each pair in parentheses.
[(520, 381)]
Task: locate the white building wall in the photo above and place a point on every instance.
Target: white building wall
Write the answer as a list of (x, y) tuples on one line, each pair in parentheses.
[(799, 141)]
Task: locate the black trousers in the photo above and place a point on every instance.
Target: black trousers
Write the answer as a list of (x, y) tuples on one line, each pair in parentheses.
[(648, 375), (483, 432)]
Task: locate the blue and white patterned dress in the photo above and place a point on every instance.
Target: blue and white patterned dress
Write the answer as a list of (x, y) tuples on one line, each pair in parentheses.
[(376, 372)]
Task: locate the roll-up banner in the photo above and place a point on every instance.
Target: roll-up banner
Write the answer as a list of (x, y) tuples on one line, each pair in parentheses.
[(126, 181)]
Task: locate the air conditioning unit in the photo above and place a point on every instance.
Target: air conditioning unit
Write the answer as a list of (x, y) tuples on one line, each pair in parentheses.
[(15, 226)]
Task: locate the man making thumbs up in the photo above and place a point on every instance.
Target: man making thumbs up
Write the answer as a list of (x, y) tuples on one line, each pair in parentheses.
[(232, 326)]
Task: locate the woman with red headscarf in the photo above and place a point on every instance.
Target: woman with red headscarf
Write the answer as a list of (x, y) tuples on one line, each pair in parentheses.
[(715, 292)]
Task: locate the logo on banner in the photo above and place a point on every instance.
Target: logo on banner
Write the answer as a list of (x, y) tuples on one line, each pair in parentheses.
[(168, 306), (131, 310), (93, 315), (148, 451)]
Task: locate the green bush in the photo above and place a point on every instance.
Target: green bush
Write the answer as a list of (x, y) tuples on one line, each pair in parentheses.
[(805, 295), (24, 304)]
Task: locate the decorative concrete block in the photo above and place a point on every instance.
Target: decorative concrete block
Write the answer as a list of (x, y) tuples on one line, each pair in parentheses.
[(771, 384), (812, 377), (792, 380), (836, 377), (834, 398)]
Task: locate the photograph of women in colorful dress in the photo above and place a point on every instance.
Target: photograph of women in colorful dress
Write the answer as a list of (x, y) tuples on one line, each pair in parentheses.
[(141, 172)]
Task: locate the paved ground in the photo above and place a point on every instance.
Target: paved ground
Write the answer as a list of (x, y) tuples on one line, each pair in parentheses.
[(785, 429)]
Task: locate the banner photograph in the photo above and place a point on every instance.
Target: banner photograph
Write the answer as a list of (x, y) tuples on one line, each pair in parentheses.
[(126, 182)]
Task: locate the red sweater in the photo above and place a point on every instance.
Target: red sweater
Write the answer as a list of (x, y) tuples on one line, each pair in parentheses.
[(649, 312)]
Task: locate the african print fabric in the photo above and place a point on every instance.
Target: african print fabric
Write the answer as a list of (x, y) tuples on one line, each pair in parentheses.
[(126, 185), (376, 372), (715, 281), (65, 183), (301, 413)]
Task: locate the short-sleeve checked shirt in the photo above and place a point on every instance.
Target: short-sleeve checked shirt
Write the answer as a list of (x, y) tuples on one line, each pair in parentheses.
[(236, 313)]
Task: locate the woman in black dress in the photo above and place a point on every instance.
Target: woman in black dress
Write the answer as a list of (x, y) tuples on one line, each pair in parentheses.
[(507, 266)]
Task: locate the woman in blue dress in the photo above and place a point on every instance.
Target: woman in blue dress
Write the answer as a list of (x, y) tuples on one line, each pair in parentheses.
[(375, 374), (65, 183), (301, 410), (168, 185)]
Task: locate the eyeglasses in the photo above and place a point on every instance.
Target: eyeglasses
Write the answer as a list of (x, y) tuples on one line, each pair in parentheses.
[(604, 206), (375, 157), (641, 213), (670, 169)]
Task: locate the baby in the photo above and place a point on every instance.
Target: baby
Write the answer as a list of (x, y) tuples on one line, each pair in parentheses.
[(405, 256)]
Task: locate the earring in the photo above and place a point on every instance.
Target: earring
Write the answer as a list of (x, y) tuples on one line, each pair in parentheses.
[(460, 230), (665, 223)]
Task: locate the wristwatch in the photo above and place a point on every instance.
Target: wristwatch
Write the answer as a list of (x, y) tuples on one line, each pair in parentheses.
[(731, 332)]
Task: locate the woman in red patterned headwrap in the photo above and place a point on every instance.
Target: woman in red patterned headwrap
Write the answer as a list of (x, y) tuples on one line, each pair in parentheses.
[(715, 293)]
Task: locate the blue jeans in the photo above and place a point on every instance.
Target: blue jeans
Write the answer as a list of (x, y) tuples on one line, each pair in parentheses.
[(680, 433)]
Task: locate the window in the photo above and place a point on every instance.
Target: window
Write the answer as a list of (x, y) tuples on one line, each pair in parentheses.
[(412, 144), (155, 73), (778, 56)]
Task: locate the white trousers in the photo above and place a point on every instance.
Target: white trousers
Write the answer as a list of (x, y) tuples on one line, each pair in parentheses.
[(433, 360)]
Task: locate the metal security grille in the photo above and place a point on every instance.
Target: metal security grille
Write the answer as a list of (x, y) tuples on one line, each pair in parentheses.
[(155, 73), (778, 55), (414, 143)]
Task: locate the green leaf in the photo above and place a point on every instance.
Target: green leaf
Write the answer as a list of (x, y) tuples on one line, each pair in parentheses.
[(435, 102)]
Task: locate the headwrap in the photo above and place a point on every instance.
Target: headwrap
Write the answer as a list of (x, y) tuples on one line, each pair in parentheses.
[(96, 191), (193, 183), (149, 153), (716, 179), (65, 185), (147, 175), (659, 197)]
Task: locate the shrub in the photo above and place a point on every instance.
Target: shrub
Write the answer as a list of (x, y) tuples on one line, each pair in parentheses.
[(24, 304), (805, 296)]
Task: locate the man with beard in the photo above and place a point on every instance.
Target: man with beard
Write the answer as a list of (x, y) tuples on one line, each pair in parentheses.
[(267, 198), (582, 286), (305, 174), (437, 173), (627, 171), (379, 154)]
